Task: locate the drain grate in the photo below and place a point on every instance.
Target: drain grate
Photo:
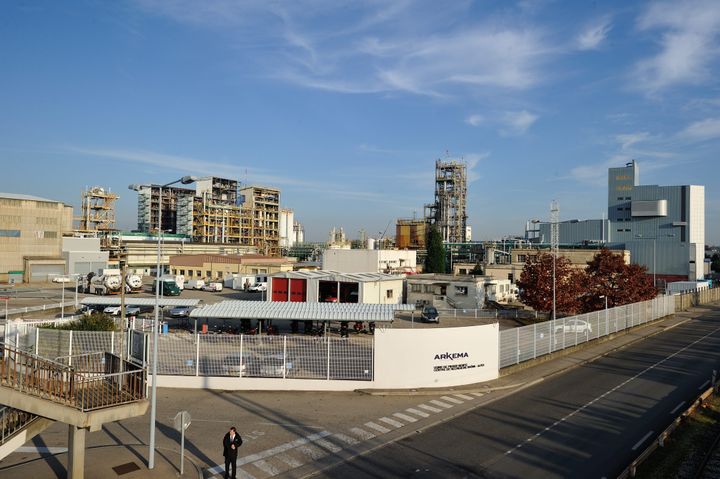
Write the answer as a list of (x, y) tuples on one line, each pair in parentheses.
[(126, 468)]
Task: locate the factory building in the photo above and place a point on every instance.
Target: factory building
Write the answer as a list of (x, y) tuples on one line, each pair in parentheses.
[(449, 211), (218, 267), (410, 233), (218, 210), (84, 255), (31, 232), (335, 287), (663, 227), (370, 260), (446, 291)]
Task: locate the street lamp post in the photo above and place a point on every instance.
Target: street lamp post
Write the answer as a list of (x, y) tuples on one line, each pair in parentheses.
[(185, 180), (654, 240)]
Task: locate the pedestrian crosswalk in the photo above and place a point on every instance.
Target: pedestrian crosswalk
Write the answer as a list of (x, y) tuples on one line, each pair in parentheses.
[(302, 451)]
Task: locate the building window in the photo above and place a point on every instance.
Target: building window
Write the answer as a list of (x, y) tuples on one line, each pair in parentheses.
[(429, 288), (627, 230), (620, 230), (627, 197), (198, 273), (50, 234), (461, 291), (190, 273), (182, 271), (209, 274), (389, 293), (9, 233), (416, 288), (620, 209), (521, 258), (620, 198)]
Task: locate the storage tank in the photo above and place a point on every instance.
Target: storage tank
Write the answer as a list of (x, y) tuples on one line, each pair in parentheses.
[(134, 283), (105, 284), (371, 243)]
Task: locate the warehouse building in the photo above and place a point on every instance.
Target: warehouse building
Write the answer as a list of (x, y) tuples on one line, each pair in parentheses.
[(391, 261), (335, 287), (217, 267), (83, 256), (31, 231), (445, 291)]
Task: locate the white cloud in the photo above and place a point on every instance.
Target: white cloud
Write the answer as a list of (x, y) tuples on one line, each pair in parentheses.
[(689, 44), (594, 35), (708, 129), (517, 122), (474, 120), (629, 139)]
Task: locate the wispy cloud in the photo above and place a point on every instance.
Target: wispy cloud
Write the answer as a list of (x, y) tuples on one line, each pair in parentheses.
[(594, 35), (517, 122), (708, 129), (474, 120), (688, 47), (629, 139)]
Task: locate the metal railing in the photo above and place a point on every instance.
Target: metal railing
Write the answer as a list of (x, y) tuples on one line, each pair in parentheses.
[(13, 421), (528, 342), (107, 380)]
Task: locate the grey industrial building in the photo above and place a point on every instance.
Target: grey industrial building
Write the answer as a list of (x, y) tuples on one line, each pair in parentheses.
[(663, 227)]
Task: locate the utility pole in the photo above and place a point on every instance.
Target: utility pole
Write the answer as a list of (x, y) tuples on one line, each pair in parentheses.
[(554, 244)]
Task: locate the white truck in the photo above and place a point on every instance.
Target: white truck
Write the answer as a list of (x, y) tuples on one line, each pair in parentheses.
[(195, 284), (105, 284), (215, 287), (133, 283), (242, 282)]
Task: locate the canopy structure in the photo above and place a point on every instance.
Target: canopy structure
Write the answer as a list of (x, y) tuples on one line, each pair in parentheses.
[(300, 311), (133, 301)]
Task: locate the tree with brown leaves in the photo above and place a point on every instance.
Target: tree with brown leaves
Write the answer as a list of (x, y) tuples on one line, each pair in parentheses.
[(536, 284)]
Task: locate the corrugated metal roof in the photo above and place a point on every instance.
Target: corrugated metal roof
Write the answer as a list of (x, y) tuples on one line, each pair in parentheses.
[(16, 196), (301, 311), (131, 301), (338, 276)]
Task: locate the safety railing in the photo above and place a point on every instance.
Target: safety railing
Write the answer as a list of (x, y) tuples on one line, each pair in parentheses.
[(95, 381), (13, 421)]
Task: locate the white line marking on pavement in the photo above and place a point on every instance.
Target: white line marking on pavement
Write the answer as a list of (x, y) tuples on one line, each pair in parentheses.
[(289, 460), (451, 399), (404, 417), (345, 438), (266, 467), (392, 422), (377, 427), (417, 413), (465, 397), (312, 452), (637, 444), (478, 394), (271, 452), (704, 385), (41, 450), (677, 407), (328, 445), (628, 380), (441, 404), (430, 408), (362, 433)]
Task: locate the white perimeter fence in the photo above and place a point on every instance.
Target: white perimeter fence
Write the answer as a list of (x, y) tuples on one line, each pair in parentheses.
[(529, 342), (216, 355)]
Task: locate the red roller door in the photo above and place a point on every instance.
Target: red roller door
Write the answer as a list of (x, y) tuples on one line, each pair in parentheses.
[(279, 289), (298, 290)]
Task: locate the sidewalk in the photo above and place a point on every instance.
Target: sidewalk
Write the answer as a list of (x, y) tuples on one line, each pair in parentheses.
[(290, 434)]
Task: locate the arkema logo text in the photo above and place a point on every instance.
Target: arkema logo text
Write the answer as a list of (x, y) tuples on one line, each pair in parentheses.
[(451, 356)]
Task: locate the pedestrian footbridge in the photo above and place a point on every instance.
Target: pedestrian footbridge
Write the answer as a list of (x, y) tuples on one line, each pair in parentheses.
[(84, 392)]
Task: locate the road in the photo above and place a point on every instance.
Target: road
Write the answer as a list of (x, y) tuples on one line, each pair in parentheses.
[(588, 422)]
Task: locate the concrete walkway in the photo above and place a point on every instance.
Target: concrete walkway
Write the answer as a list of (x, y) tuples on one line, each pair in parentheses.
[(290, 434)]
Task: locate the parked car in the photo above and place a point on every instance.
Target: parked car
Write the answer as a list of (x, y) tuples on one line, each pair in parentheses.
[(214, 287), (235, 365), (258, 287), (430, 314), (129, 310), (573, 326), (181, 311)]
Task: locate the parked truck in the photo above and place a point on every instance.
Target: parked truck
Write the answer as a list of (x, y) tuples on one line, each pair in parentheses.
[(105, 284), (242, 282), (168, 287), (133, 283), (178, 279), (195, 284)]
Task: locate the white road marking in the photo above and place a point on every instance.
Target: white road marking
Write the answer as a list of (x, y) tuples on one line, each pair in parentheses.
[(392, 422), (377, 427), (441, 404), (328, 445), (266, 467), (41, 450), (289, 460), (345, 438), (704, 385), (465, 397), (312, 452), (478, 394), (417, 413), (677, 407), (649, 368), (220, 468), (362, 433), (451, 399), (637, 444), (404, 417), (430, 408)]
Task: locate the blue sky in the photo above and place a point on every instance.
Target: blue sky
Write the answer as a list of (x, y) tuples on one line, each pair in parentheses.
[(345, 106)]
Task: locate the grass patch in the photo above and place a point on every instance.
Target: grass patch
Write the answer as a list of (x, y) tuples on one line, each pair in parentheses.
[(686, 447)]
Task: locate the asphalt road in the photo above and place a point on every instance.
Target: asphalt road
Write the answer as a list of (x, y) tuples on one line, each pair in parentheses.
[(591, 421)]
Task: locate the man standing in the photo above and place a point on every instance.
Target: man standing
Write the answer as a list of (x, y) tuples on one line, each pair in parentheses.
[(231, 442)]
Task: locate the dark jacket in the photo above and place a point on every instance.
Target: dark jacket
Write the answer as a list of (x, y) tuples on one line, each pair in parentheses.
[(227, 450)]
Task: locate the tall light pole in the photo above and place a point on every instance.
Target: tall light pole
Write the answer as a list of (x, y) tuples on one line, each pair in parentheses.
[(185, 180), (554, 245), (654, 240)]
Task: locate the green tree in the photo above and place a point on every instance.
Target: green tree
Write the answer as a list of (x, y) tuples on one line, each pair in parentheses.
[(536, 284), (93, 322), (715, 265), (477, 270), (435, 259)]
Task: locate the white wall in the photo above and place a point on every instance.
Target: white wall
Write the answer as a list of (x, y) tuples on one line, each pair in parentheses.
[(367, 260), (375, 292), (415, 358)]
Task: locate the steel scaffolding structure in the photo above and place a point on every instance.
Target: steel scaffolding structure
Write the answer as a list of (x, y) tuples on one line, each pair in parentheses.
[(449, 211)]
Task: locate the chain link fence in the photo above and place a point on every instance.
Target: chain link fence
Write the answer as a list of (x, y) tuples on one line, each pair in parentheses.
[(529, 342)]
